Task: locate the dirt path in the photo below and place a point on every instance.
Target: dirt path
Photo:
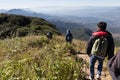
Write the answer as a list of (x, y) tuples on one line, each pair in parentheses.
[(105, 74)]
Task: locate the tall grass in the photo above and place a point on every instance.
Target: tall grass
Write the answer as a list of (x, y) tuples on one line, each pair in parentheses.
[(37, 58)]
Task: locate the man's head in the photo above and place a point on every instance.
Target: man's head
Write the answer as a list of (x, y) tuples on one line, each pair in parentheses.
[(102, 26)]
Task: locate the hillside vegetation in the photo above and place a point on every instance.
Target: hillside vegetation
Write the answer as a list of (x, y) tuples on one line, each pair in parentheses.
[(82, 33), (18, 26), (37, 58)]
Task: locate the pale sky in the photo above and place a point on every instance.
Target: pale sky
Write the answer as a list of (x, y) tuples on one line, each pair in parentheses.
[(9, 4)]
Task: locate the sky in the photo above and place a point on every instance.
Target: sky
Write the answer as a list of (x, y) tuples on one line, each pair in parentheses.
[(10, 4)]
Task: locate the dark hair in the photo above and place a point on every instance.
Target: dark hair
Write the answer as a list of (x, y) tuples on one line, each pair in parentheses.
[(102, 25)]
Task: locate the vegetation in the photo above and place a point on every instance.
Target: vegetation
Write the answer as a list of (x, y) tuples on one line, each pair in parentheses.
[(66, 24), (117, 42), (18, 26), (37, 58), (82, 33)]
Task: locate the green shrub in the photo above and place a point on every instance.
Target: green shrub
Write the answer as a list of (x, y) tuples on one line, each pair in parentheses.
[(22, 31), (38, 42), (37, 22)]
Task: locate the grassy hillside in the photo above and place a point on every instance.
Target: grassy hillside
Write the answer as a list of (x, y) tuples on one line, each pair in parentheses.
[(37, 58), (17, 26)]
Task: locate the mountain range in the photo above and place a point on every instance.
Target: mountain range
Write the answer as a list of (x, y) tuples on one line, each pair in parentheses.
[(61, 23), (77, 18)]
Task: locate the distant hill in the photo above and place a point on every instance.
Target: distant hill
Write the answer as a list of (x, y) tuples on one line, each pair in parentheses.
[(88, 16), (50, 18), (81, 18), (81, 33), (2, 10), (32, 14), (78, 30), (61, 23), (18, 26), (64, 25), (27, 13)]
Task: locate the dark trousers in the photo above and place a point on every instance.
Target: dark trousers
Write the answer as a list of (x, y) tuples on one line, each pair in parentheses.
[(93, 60)]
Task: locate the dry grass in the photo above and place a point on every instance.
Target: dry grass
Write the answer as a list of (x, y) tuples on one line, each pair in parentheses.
[(36, 57)]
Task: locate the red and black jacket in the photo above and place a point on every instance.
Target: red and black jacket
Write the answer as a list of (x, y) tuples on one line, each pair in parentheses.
[(98, 34)]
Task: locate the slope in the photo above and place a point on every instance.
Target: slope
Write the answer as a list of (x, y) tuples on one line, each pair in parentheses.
[(18, 26), (38, 58)]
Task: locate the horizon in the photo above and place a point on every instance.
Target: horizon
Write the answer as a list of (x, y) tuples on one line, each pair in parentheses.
[(35, 4), (61, 9)]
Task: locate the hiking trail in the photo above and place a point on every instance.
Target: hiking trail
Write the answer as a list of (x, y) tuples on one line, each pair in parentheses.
[(105, 74)]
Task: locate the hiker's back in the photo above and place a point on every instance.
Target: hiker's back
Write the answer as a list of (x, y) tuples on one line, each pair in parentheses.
[(99, 45), (49, 35), (69, 36)]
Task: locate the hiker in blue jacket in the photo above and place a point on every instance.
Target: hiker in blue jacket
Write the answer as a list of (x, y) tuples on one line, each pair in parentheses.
[(69, 36), (101, 32)]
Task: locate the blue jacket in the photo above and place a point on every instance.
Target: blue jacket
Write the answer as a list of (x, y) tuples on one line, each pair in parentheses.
[(69, 36)]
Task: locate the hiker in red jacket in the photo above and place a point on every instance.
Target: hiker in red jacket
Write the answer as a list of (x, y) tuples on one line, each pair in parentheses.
[(114, 66), (93, 46)]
